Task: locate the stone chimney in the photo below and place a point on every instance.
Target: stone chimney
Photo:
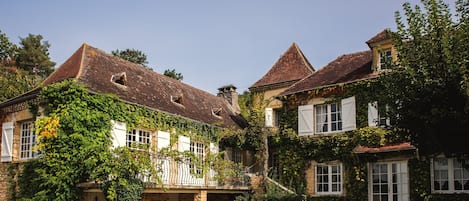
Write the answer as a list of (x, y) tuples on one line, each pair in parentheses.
[(229, 93)]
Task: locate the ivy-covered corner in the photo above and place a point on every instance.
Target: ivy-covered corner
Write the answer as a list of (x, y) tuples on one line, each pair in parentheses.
[(73, 130)]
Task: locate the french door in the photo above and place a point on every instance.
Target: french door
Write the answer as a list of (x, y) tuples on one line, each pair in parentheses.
[(388, 181)]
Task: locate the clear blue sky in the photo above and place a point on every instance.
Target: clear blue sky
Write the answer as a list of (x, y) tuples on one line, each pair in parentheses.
[(211, 42)]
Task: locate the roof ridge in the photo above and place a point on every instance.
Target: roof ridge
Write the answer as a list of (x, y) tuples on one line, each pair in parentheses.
[(57, 75), (303, 57), (80, 67), (291, 65)]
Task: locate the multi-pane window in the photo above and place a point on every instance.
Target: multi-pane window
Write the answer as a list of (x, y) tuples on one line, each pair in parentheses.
[(137, 137), (389, 181), (236, 156), (328, 179), (276, 117), (199, 151), (385, 59), (28, 140), (328, 118), (274, 166), (450, 175)]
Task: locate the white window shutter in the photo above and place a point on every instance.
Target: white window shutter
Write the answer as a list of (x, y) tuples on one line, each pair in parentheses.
[(348, 114), (373, 117), (269, 122), (7, 141), (388, 120), (305, 119), (213, 148), (164, 139), (118, 133), (184, 143)]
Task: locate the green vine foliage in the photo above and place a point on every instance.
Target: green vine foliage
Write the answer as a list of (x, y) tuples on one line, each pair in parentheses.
[(74, 143)]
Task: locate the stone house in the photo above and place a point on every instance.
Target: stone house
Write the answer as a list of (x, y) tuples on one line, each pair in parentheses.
[(320, 115), (102, 73)]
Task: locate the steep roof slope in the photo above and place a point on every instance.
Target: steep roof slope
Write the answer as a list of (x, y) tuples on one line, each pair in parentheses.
[(381, 36), (291, 66), (97, 70), (346, 68)]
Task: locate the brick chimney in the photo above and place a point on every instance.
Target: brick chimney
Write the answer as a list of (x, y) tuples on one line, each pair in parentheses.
[(229, 93)]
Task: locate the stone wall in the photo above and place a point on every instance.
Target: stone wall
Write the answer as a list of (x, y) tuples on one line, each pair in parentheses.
[(4, 181)]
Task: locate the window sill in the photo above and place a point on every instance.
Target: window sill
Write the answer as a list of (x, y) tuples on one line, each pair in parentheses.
[(322, 134), (321, 194), (450, 192)]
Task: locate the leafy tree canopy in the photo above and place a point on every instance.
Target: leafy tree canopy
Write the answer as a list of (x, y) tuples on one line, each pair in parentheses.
[(132, 55), (173, 74), (7, 50), (428, 90), (16, 75), (33, 56)]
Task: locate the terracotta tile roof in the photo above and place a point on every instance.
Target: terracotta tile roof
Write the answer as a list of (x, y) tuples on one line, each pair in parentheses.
[(346, 68), (387, 148), (95, 69), (383, 35), (291, 66)]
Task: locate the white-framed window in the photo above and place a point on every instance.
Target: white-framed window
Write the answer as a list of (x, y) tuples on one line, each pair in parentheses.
[(272, 117), (28, 140), (328, 118), (388, 181), (138, 137), (385, 59), (450, 175), (328, 178), (377, 118), (199, 151)]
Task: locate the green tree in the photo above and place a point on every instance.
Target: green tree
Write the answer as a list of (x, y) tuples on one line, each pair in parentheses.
[(13, 80), (132, 55), (33, 56), (173, 74), (7, 50), (428, 90)]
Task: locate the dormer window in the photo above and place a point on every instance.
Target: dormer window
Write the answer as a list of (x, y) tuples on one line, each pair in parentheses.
[(176, 99), (217, 112), (385, 59), (119, 78)]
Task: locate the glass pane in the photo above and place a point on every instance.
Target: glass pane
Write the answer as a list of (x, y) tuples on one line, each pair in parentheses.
[(376, 198), (384, 178), (445, 186), (333, 107), (436, 185), (384, 188), (457, 174), (383, 168), (335, 169), (375, 178), (375, 188), (457, 185), (325, 178), (384, 197)]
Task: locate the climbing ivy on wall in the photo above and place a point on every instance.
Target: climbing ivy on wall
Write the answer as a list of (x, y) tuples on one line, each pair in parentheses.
[(73, 133)]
